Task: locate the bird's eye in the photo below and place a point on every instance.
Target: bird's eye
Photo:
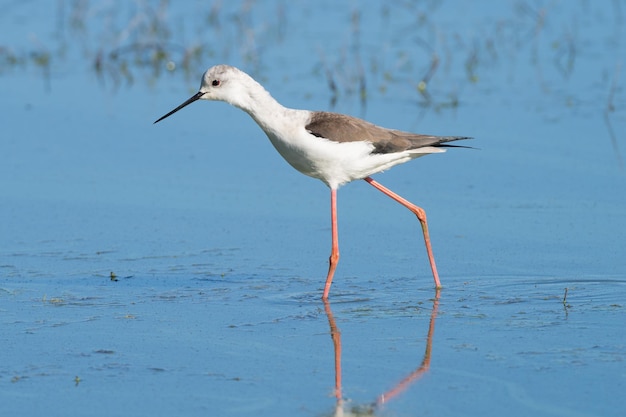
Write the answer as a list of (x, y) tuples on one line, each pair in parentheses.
[(215, 83)]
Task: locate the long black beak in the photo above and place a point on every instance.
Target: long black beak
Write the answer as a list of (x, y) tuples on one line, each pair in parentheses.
[(193, 98)]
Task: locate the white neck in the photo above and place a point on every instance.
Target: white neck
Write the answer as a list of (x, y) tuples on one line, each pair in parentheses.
[(255, 100)]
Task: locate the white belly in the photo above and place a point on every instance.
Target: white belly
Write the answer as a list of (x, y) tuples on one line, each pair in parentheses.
[(337, 163)]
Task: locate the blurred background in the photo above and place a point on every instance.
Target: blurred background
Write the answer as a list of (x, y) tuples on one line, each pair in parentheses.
[(187, 257)]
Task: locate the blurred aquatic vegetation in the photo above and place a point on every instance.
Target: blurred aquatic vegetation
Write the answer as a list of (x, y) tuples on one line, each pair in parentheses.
[(414, 50)]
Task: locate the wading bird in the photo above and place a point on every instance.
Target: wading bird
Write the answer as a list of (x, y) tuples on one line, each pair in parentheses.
[(332, 147)]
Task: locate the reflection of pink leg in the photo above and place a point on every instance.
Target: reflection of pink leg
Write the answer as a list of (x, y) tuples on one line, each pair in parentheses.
[(421, 216), (336, 335), (424, 366), (334, 254)]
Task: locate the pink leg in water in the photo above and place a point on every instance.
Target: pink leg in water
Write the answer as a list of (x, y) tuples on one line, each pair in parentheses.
[(336, 336), (334, 253), (421, 216)]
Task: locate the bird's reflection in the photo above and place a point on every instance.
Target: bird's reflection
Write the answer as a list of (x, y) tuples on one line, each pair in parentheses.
[(370, 409)]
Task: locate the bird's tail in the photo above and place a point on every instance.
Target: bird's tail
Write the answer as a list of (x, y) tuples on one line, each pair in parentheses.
[(442, 142)]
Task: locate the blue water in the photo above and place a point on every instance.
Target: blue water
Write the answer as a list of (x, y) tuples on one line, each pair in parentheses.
[(220, 248)]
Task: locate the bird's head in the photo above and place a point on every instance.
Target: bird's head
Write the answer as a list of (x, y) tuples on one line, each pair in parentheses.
[(220, 83)]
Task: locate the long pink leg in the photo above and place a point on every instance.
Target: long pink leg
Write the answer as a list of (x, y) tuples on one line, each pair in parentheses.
[(421, 216), (334, 253)]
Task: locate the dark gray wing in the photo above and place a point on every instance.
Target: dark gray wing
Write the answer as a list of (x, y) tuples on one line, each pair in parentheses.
[(342, 128)]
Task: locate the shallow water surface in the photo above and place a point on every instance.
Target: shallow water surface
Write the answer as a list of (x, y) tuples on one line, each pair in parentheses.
[(176, 269), (238, 345)]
